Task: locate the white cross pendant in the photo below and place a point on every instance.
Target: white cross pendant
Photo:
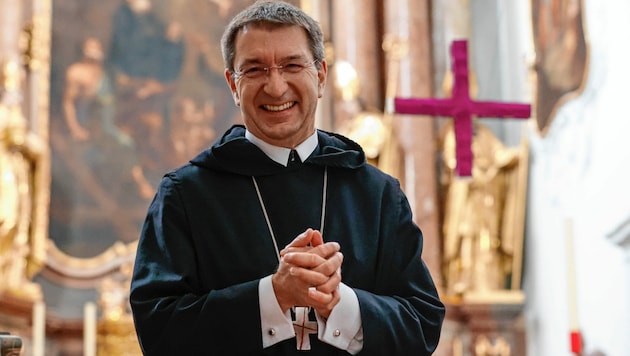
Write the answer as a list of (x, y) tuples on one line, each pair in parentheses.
[(303, 328)]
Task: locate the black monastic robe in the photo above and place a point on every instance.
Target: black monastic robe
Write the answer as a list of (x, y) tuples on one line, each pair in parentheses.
[(205, 245)]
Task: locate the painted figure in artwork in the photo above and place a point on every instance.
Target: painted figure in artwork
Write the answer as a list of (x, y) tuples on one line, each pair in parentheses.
[(133, 95), (89, 107), (145, 59), (561, 54)]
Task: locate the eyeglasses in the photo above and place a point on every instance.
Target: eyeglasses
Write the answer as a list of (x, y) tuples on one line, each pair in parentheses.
[(259, 71)]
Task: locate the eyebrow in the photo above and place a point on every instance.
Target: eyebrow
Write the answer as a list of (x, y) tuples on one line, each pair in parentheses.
[(251, 61)]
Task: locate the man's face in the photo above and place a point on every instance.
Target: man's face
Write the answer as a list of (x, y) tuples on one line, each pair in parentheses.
[(92, 49), (277, 107)]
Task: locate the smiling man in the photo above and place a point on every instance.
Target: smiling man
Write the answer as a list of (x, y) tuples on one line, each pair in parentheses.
[(277, 82), (280, 239)]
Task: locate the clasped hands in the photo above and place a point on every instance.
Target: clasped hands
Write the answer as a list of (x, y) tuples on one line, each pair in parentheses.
[(309, 274)]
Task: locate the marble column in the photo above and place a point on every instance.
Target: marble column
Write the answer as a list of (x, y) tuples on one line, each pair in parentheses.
[(410, 20), (356, 40), (321, 12), (10, 23)]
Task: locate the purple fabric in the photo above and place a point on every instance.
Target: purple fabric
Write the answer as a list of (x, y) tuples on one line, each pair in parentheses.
[(461, 108)]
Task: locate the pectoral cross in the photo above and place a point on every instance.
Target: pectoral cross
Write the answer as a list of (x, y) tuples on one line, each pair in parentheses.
[(461, 108), (303, 328)]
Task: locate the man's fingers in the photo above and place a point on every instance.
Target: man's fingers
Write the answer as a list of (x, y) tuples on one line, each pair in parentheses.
[(316, 238), (326, 265), (326, 250), (331, 265), (308, 276), (319, 297), (323, 302), (306, 239), (325, 282), (303, 259), (301, 240), (331, 285)]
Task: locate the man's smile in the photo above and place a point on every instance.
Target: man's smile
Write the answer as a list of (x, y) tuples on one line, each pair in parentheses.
[(282, 107)]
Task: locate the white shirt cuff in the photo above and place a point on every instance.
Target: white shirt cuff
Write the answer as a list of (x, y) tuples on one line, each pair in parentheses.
[(276, 326), (343, 327)]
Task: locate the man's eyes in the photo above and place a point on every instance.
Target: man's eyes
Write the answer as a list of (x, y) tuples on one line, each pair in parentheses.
[(290, 67), (293, 65), (253, 70)]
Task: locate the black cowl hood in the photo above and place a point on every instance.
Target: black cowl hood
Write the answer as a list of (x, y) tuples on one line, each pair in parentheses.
[(235, 154)]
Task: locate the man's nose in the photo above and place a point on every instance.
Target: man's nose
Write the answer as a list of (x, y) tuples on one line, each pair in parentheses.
[(276, 84)]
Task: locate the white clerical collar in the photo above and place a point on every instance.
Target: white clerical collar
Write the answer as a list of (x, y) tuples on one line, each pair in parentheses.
[(281, 154)]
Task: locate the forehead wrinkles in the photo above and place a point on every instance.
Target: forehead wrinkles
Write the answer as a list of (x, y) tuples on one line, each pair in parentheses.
[(266, 50)]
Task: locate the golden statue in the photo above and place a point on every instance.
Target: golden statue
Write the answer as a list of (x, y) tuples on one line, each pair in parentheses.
[(485, 347), (23, 194), (375, 131), (483, 215)]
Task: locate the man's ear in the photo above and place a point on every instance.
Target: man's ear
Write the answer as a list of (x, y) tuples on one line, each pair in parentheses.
[(321, 74), (232, 84)]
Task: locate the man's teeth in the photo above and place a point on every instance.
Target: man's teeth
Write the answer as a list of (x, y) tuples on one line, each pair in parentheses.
[(278, 107)]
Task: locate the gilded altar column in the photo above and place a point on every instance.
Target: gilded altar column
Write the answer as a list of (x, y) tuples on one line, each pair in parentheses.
[(410, 21), (23, 160), (356, 41)]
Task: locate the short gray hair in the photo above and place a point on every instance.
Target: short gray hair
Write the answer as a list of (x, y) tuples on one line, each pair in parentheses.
[(273, 14)]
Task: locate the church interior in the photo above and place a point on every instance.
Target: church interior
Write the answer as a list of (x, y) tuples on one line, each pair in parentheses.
[(521, 196)]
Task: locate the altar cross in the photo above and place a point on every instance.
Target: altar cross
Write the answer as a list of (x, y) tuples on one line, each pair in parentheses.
[(461, 108)]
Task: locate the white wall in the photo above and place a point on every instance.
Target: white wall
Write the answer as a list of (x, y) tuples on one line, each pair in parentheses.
[(580, 170)]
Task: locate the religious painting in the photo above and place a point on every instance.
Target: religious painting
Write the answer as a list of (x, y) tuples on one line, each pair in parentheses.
[(561, 55), (137, 88)]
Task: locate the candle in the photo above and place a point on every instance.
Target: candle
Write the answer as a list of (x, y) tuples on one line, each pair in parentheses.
[(39, 328), (89, 329), (458, 347), (574, 330)]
